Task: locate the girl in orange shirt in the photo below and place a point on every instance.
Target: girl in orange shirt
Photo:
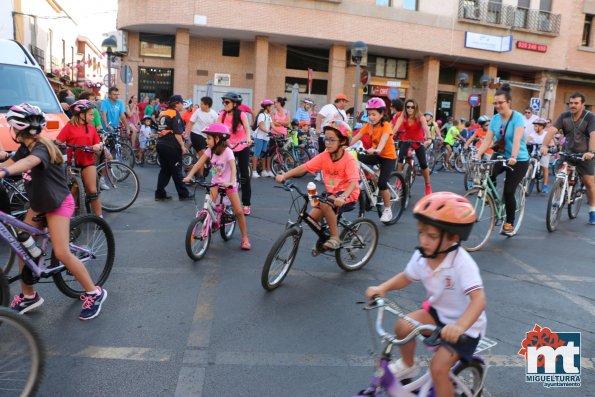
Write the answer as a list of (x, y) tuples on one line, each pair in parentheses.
[(382, 151)]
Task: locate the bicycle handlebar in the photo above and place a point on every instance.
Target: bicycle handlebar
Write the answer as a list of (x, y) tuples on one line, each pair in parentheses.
[(572, 156), (290, 186), (87, 149)]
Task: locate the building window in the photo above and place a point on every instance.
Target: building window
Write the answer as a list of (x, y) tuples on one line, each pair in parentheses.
[(157, 45), (410, 5), (155, 83), (545, 5), (494, 11), (587, 30), (448, 75), (231, 48), (319, 87), (302, 58), (384, 3), (387, 67)]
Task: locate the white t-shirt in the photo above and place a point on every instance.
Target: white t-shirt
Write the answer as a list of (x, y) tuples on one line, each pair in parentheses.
[(536, 138), (145, 132), (529, 127), (331, 112), (448, 286), (201, 120), (260, 134)]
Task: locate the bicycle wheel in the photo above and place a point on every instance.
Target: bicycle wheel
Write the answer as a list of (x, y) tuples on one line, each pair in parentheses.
[(471, 375), (280, 258), (539, 179), (198, 237), (458, 163), (430, 158), (519, 196), (362, 203), (19, 203), (468, 181), (485, 210), (22, 356), (4, 289), (126, 155), (228, 220), (301, 157), (78, 193), (360, 240), (438, 161), (398, 196), (406, 174), (150, 157), (277, 166), (92, 242), (574, 206), (555, 203), (118, 184), (289, 162)]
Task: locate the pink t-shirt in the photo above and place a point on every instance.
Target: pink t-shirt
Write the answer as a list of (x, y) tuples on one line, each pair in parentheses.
[(220, 166), (239, 135), (337, 175)]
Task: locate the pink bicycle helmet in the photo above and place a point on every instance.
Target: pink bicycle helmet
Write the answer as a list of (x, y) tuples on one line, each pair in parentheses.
[(376, 104), (25, 118), (342, 128), (81, 106), (217, 129), (265, 103)]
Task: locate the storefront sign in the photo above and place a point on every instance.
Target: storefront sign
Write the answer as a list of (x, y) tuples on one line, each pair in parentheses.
[(488, 42), (382, 90), (523, 45)]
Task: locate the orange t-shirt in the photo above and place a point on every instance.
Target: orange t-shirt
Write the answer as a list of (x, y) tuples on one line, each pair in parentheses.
[(186, 116), (338, 174), (376, 132), (481, 134)]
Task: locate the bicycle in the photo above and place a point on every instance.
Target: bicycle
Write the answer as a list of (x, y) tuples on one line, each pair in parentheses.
[(74, 179), (212, 217), (369, 197), (91, 241), (121, 151), (468, 378), (467, 157), (22, 355), (19, 204), (150, 154), (534, 172), (409, 171), (568, 189), (357, 237), (489, 205), (118, 183), (282, 160)]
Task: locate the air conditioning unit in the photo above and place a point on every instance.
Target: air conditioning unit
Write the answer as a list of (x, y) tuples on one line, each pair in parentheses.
[(363, 62), (122, 40)]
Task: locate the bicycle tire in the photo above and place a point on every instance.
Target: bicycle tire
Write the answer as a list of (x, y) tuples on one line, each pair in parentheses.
[(228, 226), (86, 231), (19, 202), (398, 196), (358, 240), (458, 163), (123, 184), (272, 274), (539, 179), (78, 193), (486, 217), (361, 204), (438, 161), (126, 155), (574, 206), (467, 181), (476, 368), (301, 157), (4, 289), (430, 158), (197, 245), (406, 174), (276, 165), (554, 209), (23, 353), (150, 157), (520, 198), (288, 161)]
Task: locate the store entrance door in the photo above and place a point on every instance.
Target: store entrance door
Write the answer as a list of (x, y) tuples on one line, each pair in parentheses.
[(445, 105)]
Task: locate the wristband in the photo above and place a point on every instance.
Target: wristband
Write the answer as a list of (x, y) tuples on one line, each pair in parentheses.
[(5, 170)]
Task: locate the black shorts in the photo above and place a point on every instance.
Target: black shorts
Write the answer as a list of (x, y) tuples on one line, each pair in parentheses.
[(345, 208), (584, 167), (198, 141), (464, 349)]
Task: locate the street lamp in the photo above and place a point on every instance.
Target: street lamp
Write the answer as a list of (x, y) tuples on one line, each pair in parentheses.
[(485, 80), (108, 46), (359, 49)]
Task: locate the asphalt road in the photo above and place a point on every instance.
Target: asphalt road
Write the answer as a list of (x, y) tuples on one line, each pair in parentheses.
[(174, 327)]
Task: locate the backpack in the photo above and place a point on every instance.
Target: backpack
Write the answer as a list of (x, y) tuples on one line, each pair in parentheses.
[(577, 141)]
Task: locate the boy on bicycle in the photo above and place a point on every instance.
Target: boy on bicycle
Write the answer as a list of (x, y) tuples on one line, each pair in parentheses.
[(456, 300), (341, 177)]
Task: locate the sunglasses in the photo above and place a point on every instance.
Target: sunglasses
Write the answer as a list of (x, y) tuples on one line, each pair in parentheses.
[(226, 102), (410, 107)]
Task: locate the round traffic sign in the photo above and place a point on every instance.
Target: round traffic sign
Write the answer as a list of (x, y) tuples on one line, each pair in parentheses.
[(393, 93), (474, 100), (126, 74)]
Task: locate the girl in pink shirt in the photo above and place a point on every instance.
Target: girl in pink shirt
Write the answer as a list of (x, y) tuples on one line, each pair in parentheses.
[(223, 167)]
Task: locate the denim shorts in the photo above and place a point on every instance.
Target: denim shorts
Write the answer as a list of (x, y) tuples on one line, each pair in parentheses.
[(260, 147)]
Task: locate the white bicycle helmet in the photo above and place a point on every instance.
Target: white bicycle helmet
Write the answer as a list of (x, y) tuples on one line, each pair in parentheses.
[(27, 119)]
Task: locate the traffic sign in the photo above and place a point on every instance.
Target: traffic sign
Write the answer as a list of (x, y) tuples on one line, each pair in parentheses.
[(126, 74), (536, 104), (474, 100), (109, 82), (364, 77), (393, 93)]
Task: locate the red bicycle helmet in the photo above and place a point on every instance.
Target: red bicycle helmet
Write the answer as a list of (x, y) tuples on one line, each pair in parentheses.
[(342, 128), (447, 211), (25, 118), (217, 129)]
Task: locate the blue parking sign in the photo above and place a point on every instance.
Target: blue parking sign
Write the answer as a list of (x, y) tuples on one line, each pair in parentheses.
[(536, 104)]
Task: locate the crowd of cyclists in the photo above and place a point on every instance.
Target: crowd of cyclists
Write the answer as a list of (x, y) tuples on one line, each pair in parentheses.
[(236, 150)]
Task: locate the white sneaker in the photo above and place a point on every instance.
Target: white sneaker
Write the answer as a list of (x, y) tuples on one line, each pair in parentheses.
[(387, 215), (255, 174), (401, 371), (103, 185), (270, 174)]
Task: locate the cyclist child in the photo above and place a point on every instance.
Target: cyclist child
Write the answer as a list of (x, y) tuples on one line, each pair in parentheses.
[(383, 150), (453, 133), (145, 134), (223, 167), (40, 161), (480, 134), (340, 175), (534, 142), (456, 299), (80, 131)]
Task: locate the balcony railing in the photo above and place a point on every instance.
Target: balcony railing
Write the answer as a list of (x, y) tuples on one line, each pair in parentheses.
[(39, 56), (494, 13)]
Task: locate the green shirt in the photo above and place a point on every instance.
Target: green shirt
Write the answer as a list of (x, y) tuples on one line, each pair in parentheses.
[(97, 119), (451, 134), (149, 110)]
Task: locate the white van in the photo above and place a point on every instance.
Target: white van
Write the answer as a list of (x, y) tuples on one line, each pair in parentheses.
[(22, 80)]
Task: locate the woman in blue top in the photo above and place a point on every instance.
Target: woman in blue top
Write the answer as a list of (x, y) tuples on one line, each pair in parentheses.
[(507, 129)]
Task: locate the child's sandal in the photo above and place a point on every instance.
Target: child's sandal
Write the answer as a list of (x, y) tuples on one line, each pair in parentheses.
[(332, 243)]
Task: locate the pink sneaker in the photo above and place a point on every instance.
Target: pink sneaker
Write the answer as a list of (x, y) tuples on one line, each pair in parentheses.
[(245, 244), (428, 189), (246, 210)]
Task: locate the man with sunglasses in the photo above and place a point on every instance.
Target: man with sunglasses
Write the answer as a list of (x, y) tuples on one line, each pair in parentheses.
[(530, 119), (578, 127)]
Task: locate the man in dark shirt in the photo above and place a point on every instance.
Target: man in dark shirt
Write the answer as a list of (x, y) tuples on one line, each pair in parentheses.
[(578, 126)]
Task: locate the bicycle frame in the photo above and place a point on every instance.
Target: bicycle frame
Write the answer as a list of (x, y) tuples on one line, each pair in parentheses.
[(487, 188), (212, 211)]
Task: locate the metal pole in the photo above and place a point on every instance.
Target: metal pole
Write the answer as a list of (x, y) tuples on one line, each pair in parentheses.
[(355, 99), (109, 67)]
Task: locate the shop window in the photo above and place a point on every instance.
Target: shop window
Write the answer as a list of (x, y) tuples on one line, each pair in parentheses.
[(587, 30), (448, 76), (410, 5), (302, 58), (319, 87), (384, 3), (388, 67), (231, 48), (157, 45)]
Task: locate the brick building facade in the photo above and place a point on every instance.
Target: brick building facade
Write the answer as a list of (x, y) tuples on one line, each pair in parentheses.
[(417, 49)]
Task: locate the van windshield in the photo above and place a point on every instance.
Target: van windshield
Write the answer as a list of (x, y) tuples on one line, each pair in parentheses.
[(20, 84)]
